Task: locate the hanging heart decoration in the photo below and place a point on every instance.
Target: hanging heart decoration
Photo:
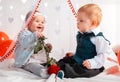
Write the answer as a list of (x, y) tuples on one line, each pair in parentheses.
[(10, 19), (57, 8)]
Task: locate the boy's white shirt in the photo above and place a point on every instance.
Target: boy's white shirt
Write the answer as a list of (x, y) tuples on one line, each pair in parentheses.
[(103, 50)]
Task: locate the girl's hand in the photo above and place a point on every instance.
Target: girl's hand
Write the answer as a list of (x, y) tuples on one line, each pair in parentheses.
[(86, 63), (40, 35)]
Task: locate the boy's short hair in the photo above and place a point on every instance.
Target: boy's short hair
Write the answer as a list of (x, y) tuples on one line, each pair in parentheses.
[(93, 11)]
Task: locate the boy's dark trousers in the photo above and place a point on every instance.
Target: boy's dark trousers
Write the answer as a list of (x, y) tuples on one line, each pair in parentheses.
[(72, 69)]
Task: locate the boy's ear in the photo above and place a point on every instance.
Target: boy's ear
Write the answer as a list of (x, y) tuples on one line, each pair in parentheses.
[(94, 23)]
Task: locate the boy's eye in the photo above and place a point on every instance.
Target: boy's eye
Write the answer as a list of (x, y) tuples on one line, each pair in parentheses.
[(81, 20), (42, 22)]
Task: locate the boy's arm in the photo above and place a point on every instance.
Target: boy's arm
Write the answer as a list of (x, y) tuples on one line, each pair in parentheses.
[(103, 50)]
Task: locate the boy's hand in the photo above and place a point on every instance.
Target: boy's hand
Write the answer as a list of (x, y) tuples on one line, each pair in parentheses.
[(86, 63), (69, 54)]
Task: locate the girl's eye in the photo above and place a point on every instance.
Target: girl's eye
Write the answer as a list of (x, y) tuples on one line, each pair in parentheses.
[(37, 21)]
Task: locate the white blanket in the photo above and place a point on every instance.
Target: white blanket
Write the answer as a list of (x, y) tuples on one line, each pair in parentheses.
[(8, 73)]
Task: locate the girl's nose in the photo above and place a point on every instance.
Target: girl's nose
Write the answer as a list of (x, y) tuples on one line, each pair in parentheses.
[(40, 23)]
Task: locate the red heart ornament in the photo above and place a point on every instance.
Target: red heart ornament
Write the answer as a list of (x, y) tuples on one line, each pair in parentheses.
[(3, 48), (3, 37)]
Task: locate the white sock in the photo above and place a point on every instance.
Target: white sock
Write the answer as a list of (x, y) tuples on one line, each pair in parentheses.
[(44, 74), (51, 78)]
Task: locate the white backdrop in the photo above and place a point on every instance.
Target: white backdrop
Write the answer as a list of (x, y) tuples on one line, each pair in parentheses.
[(60, 23)]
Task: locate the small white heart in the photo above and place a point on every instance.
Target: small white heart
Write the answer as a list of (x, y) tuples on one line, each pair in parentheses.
[(22, 17), (11, 7), (45, 4), (10, 19), (24, 1), (1, 7)]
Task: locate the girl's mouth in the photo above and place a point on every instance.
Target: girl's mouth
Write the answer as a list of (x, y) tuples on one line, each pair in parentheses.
[(39, 27)]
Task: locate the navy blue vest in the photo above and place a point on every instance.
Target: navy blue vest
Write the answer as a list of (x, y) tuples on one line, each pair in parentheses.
[(85, 48)]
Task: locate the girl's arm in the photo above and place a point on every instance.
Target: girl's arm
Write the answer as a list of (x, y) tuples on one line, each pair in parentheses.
[(28, 39)]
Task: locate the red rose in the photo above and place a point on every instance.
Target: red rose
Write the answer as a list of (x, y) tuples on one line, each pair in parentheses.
[(53, 69)]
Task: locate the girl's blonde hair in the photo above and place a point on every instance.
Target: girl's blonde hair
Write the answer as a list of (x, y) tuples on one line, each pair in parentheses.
[(93, 11)]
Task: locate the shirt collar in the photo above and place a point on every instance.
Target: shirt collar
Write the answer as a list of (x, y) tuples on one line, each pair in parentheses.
[(96, 31)]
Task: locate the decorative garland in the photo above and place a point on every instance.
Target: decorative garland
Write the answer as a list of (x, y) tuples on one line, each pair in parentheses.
[(72, 8), (13, 44)]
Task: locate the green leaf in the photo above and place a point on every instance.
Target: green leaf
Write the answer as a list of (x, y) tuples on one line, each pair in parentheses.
[(39, 45)]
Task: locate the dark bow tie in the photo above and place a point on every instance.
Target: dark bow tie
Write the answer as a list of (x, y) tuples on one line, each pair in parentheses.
[(86, 34)]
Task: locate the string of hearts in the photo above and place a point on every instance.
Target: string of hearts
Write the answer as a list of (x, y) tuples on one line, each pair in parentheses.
[(13, 44), (72, 8)]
